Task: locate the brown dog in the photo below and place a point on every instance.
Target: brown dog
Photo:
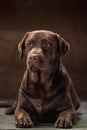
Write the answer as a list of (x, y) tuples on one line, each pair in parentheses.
[(47, 93)]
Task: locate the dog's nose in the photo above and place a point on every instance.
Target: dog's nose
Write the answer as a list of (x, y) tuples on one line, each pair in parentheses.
[(34, 57)]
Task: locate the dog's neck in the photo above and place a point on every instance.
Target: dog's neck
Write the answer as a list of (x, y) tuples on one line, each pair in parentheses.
[(45, 77)]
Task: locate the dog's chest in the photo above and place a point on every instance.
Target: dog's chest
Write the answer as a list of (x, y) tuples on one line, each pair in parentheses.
[(41, 98), (39, 91)]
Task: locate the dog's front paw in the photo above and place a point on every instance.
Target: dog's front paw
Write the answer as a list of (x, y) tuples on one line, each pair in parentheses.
[(63, 122), (9, 111), (24, 123)]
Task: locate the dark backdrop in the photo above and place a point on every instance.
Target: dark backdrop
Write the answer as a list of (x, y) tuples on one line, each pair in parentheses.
[(66, 17)]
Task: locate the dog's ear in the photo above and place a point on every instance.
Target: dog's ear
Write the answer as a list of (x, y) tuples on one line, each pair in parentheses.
[(21, 45), (64, 45)]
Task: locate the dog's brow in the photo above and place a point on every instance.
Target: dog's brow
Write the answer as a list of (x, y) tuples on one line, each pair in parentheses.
[(30, 40), (44, 40)]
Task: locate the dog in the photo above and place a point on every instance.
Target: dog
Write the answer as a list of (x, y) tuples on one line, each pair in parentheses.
[(46, 93)]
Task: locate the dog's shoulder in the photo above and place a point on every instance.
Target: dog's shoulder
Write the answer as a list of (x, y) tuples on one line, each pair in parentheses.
[(64, 76)]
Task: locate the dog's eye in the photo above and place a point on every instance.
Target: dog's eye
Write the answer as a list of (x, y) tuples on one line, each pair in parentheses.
[(47, 45), (30, 44)]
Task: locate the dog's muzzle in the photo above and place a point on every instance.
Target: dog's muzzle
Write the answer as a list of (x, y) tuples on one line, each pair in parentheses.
[(35, 60)]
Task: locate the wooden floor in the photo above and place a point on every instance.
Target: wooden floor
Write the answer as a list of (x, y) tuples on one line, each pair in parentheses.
[(7, 122)]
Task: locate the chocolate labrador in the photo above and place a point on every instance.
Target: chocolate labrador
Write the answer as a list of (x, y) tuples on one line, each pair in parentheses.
[(46, 93)]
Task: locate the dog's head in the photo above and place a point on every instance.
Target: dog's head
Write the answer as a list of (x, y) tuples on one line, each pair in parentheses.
[(42, 48)]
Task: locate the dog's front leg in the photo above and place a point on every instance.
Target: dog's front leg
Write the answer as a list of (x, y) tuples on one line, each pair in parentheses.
[(65, 119), (22, 118)]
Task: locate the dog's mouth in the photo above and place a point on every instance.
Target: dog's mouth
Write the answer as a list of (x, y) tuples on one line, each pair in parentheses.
[(34, 68)]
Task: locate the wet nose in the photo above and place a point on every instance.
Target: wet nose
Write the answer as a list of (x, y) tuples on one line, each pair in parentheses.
[(33, 57)]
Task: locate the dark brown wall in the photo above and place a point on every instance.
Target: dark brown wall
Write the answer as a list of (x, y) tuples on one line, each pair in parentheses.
[(19, 16)]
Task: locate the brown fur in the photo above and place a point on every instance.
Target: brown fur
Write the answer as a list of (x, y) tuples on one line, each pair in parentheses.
[(46, 93)]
